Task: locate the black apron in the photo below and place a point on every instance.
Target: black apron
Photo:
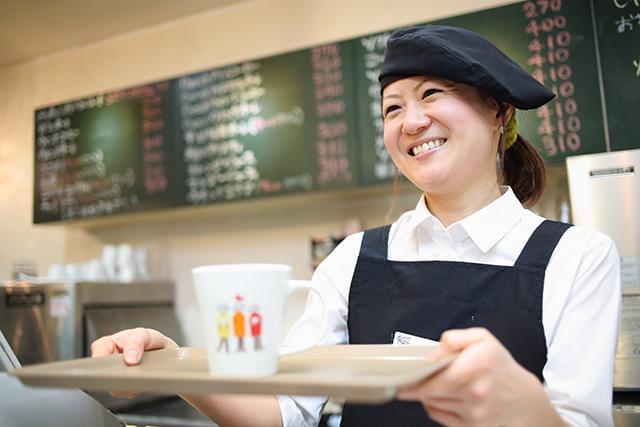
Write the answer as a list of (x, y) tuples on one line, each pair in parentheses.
[(426, 298)]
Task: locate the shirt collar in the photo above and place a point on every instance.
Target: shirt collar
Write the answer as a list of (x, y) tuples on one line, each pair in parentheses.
[(490, 224), (410, 220), (485, 228)]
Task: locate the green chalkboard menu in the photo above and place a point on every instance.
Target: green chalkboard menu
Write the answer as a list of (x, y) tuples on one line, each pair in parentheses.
[(310, 119), (553, 40), (105, 154), (618, 30), (277, 125)]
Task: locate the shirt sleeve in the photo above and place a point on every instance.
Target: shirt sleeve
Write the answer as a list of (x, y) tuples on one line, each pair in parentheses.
[(332, 279), (581, 349)]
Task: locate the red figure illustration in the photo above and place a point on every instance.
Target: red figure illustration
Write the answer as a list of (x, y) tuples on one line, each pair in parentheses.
[(255, 321)]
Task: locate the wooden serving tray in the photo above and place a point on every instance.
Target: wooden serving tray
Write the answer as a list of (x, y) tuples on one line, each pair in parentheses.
[(358, 373)]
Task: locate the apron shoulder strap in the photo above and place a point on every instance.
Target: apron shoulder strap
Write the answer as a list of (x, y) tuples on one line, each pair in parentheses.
[(537, 252), (375, 242)]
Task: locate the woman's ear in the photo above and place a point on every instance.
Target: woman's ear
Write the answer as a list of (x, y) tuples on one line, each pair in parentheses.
[(504, 113), (508, 111), (502, 110)]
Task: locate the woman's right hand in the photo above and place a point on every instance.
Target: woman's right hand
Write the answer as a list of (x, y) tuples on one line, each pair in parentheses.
[(132, 343)]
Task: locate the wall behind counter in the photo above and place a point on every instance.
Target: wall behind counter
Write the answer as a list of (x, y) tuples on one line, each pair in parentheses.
[(244, 231)]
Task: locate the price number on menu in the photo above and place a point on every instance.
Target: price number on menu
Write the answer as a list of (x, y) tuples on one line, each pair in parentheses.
[(331, 128), (549, 54), (152, 99)]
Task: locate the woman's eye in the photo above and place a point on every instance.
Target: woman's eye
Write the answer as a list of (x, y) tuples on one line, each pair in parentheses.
[(430, 92), (390, 109)]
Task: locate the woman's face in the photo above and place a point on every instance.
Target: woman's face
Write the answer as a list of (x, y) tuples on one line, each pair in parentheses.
[(442, 136)]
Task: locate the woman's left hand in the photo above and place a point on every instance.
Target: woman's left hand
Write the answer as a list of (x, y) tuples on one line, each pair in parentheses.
[(483, 386)]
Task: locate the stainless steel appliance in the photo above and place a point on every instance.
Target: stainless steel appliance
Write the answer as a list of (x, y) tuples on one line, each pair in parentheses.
[(45, 322), (38, 320), (605, 196)]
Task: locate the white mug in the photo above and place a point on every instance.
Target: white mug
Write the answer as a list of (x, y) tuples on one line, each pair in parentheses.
[(242, 309)]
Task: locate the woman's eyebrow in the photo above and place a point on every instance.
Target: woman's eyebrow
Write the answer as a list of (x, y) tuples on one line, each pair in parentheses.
[(417, 87), (393, 95), (434, 80)]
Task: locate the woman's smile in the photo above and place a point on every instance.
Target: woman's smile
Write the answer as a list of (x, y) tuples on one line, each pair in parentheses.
[(426, 147)]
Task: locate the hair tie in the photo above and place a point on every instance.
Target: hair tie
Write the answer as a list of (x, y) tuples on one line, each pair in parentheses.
[(511, 132)]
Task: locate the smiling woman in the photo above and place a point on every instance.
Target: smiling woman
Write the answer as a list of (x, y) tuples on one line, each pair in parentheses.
[(485, 274), (442, 136), (506, 289)]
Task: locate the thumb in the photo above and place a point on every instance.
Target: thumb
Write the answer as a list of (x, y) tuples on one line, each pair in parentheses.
[(455, 340), (134, 342)]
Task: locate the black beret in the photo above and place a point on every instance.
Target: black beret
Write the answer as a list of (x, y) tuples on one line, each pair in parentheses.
[(460, 56)]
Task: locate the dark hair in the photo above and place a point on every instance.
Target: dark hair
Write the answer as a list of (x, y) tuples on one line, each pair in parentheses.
[(523, 169)]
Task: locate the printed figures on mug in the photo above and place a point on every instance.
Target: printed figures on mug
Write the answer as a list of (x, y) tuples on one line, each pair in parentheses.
[(255, 321), (239, 329), (223, 327), (238, 322)]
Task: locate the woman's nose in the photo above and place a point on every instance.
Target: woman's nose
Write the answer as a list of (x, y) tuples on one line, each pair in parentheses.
[(415, 121)]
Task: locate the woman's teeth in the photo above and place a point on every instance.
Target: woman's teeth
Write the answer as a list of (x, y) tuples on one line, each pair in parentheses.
[(427, 146)]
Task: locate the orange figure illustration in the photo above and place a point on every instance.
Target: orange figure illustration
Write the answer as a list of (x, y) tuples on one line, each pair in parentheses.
[(255, 322), (222, 322), (238, 322)]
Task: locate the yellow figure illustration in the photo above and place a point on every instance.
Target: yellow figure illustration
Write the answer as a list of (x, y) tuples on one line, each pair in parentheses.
[(222, 322)]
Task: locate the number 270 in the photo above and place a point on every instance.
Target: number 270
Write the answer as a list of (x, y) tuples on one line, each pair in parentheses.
[(540, 7)]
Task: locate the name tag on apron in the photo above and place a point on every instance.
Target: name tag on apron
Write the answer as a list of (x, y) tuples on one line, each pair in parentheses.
[(401, 338)]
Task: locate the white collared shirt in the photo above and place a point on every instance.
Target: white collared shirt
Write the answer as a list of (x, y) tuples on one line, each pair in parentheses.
[(580, 304)]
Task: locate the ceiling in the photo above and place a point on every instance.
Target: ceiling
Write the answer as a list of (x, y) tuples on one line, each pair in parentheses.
[(32, 28)]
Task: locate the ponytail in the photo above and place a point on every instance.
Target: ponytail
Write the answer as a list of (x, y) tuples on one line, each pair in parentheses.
[(523, 169)]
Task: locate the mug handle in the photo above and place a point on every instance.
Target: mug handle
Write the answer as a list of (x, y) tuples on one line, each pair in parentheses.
[(295, 285)]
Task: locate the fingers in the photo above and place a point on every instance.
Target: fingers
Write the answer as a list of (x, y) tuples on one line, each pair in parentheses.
[(444, 384), (454, 340), (472, 362), (457, 339), (437, 354), (156, 340), (445, 412), (463, 370), (410, 393), (478, 386), (103, 347), (132, 343)]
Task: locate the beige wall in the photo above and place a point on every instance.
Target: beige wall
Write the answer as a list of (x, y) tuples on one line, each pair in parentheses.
[(275, 229)]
